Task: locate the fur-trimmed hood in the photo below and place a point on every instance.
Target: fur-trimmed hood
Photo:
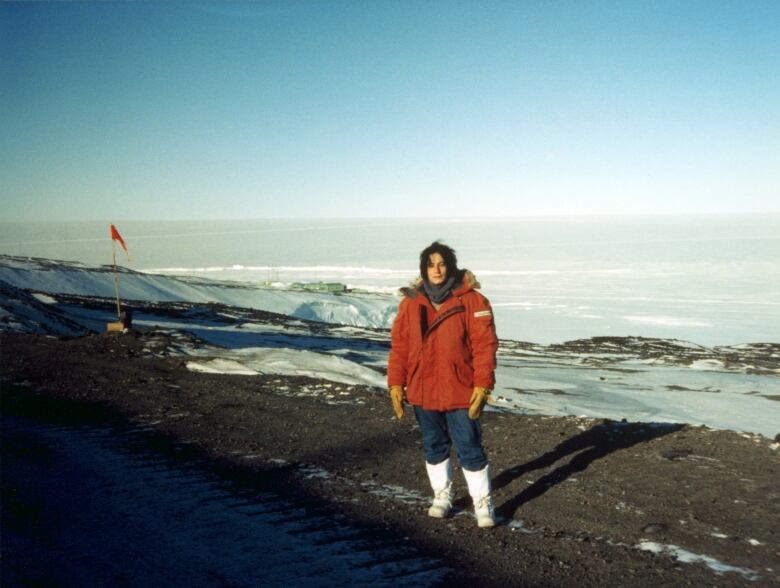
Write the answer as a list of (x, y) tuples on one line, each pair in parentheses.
[(469, 282)]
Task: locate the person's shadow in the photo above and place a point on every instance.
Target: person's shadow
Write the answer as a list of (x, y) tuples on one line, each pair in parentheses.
[(590, 445)]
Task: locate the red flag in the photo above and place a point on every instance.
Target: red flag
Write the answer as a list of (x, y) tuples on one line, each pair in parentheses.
[(117, 237)]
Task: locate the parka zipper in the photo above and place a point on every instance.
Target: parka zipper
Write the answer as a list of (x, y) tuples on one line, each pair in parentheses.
[(442, 317)]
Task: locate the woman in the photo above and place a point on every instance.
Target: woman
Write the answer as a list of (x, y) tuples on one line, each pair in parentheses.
[(443, 358)]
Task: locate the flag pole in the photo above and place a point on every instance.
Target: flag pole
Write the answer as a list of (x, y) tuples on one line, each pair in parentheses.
[(116, 281)]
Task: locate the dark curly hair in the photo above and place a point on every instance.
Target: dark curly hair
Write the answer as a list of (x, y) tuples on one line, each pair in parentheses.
[(447, 253)]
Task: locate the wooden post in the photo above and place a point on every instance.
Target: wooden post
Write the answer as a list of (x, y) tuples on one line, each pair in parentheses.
[(116, 281)]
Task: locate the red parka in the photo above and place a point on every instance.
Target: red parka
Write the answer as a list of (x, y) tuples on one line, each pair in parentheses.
[(440, 356)]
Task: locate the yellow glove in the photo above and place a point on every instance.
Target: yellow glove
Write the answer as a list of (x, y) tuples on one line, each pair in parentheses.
[(397, 398), (477, 402)]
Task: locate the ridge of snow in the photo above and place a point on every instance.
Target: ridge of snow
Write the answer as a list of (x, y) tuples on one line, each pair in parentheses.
[(364, 310), (290, 362)]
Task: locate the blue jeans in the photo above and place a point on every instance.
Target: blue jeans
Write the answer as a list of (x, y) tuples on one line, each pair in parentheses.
[(440, 429)]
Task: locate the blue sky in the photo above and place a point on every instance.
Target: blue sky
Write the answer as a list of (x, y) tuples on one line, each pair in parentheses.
[(361, 109)]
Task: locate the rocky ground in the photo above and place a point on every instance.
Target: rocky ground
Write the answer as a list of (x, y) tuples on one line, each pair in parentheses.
[(582, 502)]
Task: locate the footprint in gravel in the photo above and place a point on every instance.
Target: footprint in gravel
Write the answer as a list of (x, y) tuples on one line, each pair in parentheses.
[(676, 453), (654, 528)]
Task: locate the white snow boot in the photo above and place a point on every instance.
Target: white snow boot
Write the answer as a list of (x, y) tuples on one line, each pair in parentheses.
[(479, 489), (440, 476)]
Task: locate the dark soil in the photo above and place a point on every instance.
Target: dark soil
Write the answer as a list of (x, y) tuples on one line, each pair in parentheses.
[(575, 496)]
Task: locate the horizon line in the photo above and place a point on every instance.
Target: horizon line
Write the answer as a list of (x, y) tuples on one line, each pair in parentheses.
[(443, 219)]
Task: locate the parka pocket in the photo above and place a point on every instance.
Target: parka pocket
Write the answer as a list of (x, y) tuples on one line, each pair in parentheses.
[(464, 374)]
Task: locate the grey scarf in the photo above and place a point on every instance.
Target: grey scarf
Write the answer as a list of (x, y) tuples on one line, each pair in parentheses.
[(440, 293)]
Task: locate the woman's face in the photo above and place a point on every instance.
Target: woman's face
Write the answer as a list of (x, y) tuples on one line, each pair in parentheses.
[(437, 269)]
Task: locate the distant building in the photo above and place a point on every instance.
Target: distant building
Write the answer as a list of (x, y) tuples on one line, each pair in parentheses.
[(321, 286)]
